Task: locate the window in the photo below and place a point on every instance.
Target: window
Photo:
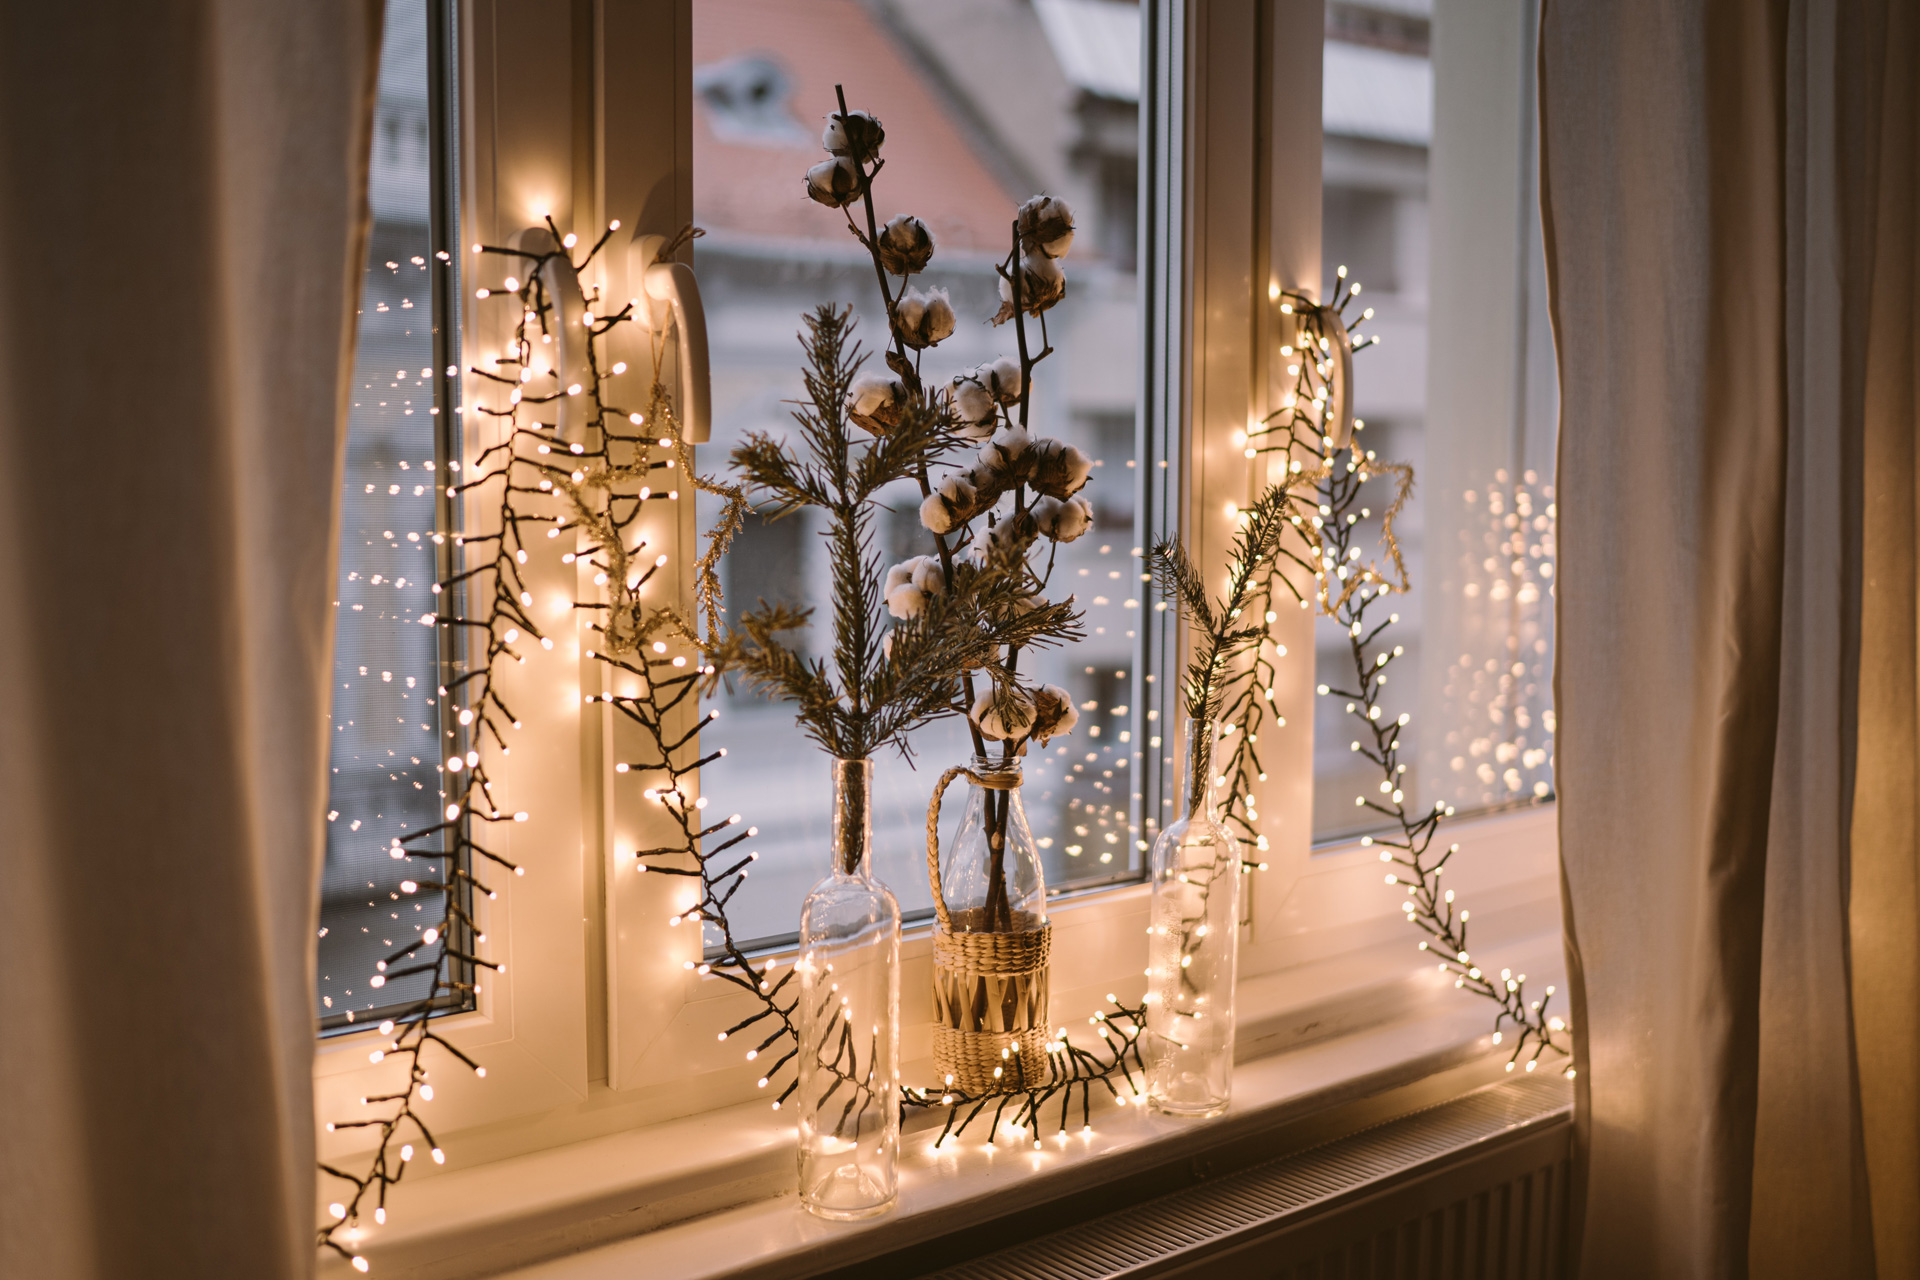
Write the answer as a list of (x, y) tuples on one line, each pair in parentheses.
[(984, 106), (1188, 216), (1462, 389), (386, 753)]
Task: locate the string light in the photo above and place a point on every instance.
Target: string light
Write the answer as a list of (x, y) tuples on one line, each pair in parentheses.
[(1331, 538), (587, 487), (613, 461)]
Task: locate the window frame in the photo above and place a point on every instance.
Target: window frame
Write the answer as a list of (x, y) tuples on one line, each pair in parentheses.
[(599, 1024), (530, 1025), (449, 644)]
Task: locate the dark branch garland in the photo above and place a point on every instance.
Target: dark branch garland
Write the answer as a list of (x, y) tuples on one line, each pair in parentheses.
[(1350, 590), (1069, 1067), (597, 481)]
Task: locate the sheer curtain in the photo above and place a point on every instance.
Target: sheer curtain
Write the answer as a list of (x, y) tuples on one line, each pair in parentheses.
[(182, 197), (1728, 192)]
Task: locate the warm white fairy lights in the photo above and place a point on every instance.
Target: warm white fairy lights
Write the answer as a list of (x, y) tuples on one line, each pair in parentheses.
[(1351, 589), (599, 492), (490, 608)]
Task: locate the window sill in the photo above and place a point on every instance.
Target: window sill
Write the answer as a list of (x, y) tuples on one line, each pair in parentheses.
[(1326, 1048)]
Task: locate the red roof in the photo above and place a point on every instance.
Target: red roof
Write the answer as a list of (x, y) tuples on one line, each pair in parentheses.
[(931, 168)]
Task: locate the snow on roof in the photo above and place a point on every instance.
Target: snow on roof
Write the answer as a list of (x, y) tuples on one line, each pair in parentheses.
[(1374, 93), (1097, 43), (764, 74), (1365, 92)]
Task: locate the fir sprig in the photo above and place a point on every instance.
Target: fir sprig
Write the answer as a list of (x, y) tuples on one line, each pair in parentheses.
[(880, 682), (1218, 634)]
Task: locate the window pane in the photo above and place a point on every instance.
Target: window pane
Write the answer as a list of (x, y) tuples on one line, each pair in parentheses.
[(1478, 534), (984, 105), (386, 778)]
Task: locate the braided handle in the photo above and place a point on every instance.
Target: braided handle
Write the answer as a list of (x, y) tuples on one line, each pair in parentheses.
[(933, 843)]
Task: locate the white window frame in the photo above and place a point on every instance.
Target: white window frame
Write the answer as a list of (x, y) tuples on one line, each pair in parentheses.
[(598, 1025)]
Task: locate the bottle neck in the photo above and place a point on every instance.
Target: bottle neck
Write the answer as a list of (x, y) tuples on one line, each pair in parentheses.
[(1197, 798), (998, 769), (853, 818)]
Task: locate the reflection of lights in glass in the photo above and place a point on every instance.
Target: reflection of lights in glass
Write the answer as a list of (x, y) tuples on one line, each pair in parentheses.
[(1499, 692)]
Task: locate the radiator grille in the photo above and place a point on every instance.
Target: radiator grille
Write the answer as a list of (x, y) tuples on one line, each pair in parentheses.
[(1473, 1189)]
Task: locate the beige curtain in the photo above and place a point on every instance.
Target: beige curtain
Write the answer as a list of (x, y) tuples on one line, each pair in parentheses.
[(1728, 192), (182, 201)]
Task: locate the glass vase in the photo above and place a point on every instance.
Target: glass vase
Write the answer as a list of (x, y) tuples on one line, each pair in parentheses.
[(1193, 944), (848, 1019), (991, 942)]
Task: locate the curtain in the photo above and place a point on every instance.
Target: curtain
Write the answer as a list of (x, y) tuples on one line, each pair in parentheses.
[(182, 197), (1728, 199)]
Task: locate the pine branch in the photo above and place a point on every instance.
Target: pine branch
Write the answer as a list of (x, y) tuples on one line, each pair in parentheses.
[(1216, 640), (877, 685)]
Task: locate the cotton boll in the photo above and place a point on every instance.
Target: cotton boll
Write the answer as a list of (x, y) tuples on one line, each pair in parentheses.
[(928, 578), (856, 136), (909, 312), (875, 402), (1042, 283), (872, 392), (1009, 538), (1011, 441), (906, 246), (906, 602), (1079, 467), (935, 515), (971, 399), (1045, 283), (973, 404), (923, 319), (1059, 470), (1061, 521), (1046, 226), (834, 183), (992, 468), (899, 576), (940, 319), (1003, 718), (1074, 518), (1003, 378), (1054, 713)]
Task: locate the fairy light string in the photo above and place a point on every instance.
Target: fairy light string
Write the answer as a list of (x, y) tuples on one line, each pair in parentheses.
[(598, 488), (1353, 590)]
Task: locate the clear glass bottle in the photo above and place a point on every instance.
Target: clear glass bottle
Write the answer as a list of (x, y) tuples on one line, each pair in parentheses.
[(848, 1018), (1193, 944), (991, 875), (990, 971)]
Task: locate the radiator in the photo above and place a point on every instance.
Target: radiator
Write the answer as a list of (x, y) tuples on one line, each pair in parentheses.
[(1473, 1189)]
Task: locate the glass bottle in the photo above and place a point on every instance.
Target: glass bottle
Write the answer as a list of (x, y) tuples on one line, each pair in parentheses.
[(991, 877), (1193, 944), (848, 1018), (990, 978)]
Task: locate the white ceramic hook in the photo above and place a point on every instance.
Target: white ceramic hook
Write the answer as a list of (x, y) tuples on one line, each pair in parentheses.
[(669, 290), (1337, 423), (570, 343)]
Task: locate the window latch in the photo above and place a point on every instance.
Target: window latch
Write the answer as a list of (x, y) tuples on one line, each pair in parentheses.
[(671, 295)]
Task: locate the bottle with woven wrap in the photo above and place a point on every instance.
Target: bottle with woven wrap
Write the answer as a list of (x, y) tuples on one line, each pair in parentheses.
[(848, 1017), (1193, 944), (991, 939)]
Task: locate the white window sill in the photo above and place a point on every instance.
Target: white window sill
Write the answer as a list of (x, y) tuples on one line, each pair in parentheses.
[(1326, 1048)]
